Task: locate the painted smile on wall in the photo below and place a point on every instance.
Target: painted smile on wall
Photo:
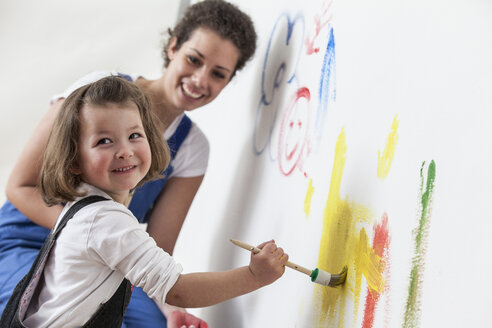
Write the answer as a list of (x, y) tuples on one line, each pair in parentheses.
[(293, 137)]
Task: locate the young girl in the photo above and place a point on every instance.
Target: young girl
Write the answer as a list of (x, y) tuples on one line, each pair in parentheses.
[(104, 142)]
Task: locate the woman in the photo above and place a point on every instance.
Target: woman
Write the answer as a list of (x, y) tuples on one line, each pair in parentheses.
[(208, 45)]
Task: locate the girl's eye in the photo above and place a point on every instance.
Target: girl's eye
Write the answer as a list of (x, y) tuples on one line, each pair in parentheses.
[(104, 141), (135, 135)]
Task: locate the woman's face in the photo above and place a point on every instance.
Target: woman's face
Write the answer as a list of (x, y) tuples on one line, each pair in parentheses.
[(199, 70)]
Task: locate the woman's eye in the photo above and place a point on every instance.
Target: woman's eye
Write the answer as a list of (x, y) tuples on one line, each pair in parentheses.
[(135, 135), (219, 75), (193, 60), (104, 141)]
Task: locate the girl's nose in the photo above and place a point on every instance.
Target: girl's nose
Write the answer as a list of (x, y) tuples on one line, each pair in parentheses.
[(124, 151)]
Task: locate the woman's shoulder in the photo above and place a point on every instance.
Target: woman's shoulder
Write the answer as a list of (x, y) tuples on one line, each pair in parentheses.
[(90, 78), (196, 137), (192, 157)]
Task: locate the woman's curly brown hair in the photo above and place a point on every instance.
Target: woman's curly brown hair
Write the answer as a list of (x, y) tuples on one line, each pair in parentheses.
[(222, 17)]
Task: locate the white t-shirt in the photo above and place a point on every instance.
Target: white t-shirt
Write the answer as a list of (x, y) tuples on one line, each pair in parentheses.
[(99, 246), (192, 157)]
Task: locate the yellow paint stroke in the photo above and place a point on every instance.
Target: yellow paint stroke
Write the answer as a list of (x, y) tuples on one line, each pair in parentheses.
[(369, 263), (385, 160), (344, 241), (309, 196)]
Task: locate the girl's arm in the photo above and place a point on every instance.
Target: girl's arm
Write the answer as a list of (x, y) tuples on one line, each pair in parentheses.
[(22, 186), (209, 288), (170, 210)]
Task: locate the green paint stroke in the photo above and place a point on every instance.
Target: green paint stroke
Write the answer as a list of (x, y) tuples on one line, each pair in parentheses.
[(412, 311)]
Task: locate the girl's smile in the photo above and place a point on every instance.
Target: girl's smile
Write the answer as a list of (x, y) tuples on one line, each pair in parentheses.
[(124, 169)]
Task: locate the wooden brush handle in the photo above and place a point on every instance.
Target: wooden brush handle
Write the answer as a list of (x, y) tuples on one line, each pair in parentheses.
[(256, 250)]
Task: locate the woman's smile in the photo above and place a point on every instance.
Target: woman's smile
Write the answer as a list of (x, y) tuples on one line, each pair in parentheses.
[(189, 91)]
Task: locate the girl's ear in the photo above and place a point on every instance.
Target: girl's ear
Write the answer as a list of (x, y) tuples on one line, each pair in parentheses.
[(76, 169), (171, 51)]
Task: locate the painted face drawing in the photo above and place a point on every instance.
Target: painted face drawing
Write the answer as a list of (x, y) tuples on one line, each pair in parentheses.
[(293, 136)]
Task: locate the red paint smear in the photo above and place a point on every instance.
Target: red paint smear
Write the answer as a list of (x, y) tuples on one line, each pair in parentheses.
[(290, 155), (309, 43), (380, 245), (302, 92)]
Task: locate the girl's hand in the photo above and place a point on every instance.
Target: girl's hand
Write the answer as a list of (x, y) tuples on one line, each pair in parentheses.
[(269, 264)]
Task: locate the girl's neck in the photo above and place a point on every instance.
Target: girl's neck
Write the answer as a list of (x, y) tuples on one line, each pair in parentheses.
[(122, 198), (128, 200), (159, 104)]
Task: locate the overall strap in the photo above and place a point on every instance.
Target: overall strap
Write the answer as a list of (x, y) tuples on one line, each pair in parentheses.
[(111, 313), (19, 301), (144, 197), (74, 209), (179, 135)]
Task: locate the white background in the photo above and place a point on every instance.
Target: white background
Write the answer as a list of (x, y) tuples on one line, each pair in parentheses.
[(426, 61)]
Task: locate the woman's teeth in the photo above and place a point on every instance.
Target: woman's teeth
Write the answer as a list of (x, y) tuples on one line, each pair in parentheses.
[(190, 93)]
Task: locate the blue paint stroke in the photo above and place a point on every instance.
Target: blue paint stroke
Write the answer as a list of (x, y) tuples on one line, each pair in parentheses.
[(268, 92), (327, 90)]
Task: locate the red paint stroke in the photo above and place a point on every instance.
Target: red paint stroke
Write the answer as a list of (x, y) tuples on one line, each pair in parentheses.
[(293, 133), (380, 245), (320, 21)]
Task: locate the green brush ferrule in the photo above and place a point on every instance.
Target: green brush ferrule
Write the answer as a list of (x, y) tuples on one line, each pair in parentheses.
[(314, 274)]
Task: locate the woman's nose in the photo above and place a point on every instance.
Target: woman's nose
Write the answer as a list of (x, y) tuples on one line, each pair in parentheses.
[(200, 78)]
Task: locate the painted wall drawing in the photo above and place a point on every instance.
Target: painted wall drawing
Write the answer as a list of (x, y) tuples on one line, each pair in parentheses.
[(359, 152), (358, 135)]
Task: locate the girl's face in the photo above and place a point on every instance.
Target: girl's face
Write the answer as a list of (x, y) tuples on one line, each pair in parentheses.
[(199, 70), (114, 154)]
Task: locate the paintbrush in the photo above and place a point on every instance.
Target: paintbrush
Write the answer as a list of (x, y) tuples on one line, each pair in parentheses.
[(317, 275)]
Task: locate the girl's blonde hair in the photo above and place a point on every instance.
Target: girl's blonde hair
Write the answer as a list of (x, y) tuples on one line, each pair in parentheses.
[(57, 180)]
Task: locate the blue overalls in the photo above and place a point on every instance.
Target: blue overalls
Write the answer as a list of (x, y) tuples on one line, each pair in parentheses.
[(21, 239)]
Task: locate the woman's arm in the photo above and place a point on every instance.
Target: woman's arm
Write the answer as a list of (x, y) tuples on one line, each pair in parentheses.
[(22, 186), (170, 210)]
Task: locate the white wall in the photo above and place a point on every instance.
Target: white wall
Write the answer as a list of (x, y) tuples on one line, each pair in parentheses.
[(423, 64), (423, 67)]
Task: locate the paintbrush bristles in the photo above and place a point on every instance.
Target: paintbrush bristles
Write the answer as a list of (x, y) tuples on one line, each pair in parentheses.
[(338, 279)]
